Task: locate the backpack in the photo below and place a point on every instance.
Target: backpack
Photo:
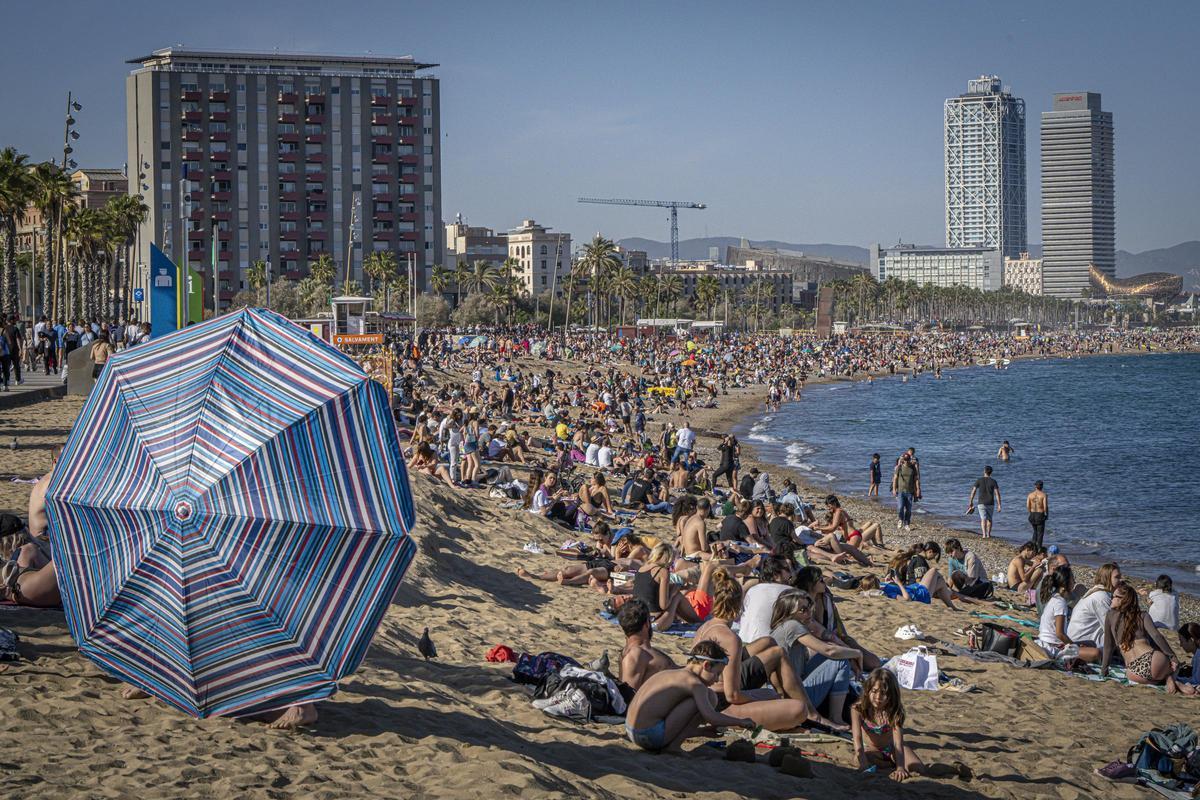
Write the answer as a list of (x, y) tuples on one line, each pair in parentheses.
[(1170, 751), (533, 669), (844, 580), (994, 638)]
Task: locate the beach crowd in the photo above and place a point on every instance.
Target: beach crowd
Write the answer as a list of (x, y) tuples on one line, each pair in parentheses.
[(668, 530)]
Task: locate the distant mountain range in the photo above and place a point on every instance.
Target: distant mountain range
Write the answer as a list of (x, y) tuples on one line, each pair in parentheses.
[(1182, 259)]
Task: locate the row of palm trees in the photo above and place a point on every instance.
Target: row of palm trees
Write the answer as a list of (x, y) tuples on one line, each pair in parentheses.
[(83, 254), (863, 300)]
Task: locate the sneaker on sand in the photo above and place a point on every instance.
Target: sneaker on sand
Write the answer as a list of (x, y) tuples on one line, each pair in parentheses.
[(1118, 771), (899, 524)]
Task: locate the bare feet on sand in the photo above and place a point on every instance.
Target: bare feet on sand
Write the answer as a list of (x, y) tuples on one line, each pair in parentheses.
[(133, 693), (523, 573), (292, 717)]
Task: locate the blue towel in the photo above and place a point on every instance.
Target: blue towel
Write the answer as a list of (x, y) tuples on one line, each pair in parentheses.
[(678, 629)]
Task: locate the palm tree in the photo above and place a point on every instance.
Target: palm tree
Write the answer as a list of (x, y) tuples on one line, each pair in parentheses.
[(381, 266), (461, 271), (439, 279), (669, 286), (571, 281), (55, 196), (647, 292), (16, 191), (479, 277), (708, 288), (323, 269), (256, 278), (598, 260), (625, 286)]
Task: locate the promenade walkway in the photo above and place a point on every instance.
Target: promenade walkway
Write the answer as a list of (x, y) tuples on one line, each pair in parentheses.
[(37, 386)]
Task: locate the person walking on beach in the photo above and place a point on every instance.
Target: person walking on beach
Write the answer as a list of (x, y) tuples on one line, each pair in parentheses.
[(988, 492), (906, 487), (876, 476), (1039, 509)]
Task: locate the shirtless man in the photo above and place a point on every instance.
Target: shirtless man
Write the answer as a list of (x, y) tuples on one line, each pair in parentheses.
[(675, 704), (694, 538), (639, 660), (1039, 508), (1024, 571), (1005, 452)]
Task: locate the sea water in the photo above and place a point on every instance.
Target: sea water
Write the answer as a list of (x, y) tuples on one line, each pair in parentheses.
[(1113, 438)]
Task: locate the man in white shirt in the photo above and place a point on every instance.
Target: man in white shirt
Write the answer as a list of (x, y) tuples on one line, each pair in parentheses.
[(591, 457), (604, 456), (685, 439), (1087, 619), (759, 602)]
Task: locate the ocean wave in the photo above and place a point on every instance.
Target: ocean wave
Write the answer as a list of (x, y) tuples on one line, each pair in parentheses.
[(762, 437)]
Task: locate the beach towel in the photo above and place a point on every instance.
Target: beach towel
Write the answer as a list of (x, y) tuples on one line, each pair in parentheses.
[(678, 629), (1007, 617)]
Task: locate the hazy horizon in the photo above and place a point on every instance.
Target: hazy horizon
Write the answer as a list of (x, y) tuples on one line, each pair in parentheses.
[(795, 122)]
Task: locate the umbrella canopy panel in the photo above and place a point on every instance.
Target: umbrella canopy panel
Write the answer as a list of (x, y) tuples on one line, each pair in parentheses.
[(230, 516)]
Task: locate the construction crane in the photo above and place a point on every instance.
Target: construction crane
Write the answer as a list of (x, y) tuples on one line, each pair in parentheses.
[(674, 205)]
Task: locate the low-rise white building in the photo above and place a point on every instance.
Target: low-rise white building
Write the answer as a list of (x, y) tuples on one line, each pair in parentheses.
[(1024, 274), (973, 267), (540, 255)]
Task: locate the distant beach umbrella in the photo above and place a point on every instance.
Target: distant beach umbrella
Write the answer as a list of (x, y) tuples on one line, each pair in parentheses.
[(230, 516)]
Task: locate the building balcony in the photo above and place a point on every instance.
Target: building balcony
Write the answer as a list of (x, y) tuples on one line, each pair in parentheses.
[(408, 235), (289, 197), (315, 177), (380, 99), (315, 99), (289, 97), (218, 97), (413, 159), (383, 158), (290, 137), (293, 119), (408, 217), (222, 175), (196, 255), (383, 235), (382, 140), (314, 119), (290, 236), (192, 155), (289, 156), (318, 216), (219, 136), (407, 120), (408, 197), (382, 177), (382, 119), (222, 196), (219, 116), (196, 235), (319, 235), (219, 156), (315, 158), (224, 236), (191, 136), (191, 116), (411, 140), (190, 97), (315, 138), (384, 195), (289, 216), (226, 216)]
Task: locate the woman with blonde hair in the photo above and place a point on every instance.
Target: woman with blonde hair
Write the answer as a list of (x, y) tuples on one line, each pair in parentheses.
[(662, 590), (1086, 626)]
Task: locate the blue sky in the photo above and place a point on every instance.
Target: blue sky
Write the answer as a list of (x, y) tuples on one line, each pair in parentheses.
[(808, 122)]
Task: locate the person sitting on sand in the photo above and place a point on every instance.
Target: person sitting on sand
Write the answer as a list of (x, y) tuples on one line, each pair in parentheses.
[(1087, 617), (1189, 640), (693, 536), (425, 461), (825, 668), (593, 497), (1148, 657), (639, 659), (775, 575), (910, 566), (753, 665), (653, 585), (811, 580), (1056, 615), (877, 725), (838, 524), (29, 578), (674, 705), (1026, 568)]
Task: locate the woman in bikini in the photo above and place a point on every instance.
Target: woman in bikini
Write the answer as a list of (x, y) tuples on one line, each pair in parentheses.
[(593, 497), (1148, 657), (829, 546), (653, 585), (426, 461)]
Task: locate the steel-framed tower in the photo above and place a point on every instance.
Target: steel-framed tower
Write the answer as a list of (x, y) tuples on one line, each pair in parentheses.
[(985, 168)]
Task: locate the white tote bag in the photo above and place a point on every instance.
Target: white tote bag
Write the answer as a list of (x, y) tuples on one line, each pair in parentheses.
[(916, 669)]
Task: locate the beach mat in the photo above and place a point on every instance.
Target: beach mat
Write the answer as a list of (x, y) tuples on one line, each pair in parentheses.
[(1005, 617), (684, 631)]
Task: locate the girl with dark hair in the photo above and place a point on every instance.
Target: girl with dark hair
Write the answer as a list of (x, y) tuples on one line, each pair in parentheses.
[(1148, 657), (877, 725), (1056, 615), (1189, 640), (825, 614)]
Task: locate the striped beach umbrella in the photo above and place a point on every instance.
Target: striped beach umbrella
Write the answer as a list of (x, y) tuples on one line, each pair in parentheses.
[(230, 516)]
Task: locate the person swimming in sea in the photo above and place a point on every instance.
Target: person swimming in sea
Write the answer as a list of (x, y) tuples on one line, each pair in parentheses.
[(1005, 452)]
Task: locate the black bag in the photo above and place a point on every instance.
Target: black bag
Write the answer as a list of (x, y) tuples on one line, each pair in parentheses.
[(844, 580), (980, 590), (994, 638)]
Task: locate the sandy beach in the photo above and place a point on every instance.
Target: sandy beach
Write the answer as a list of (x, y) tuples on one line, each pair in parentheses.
[(458, 726)]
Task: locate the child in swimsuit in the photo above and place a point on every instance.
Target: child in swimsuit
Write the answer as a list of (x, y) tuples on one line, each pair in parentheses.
[(877, 723)]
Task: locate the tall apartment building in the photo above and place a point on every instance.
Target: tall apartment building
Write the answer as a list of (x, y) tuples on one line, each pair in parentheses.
[(544, 258), (985, 168), (287, 156), (1078, 215)]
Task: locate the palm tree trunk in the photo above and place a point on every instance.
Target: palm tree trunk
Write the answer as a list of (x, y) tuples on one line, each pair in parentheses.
[(11, 301)]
